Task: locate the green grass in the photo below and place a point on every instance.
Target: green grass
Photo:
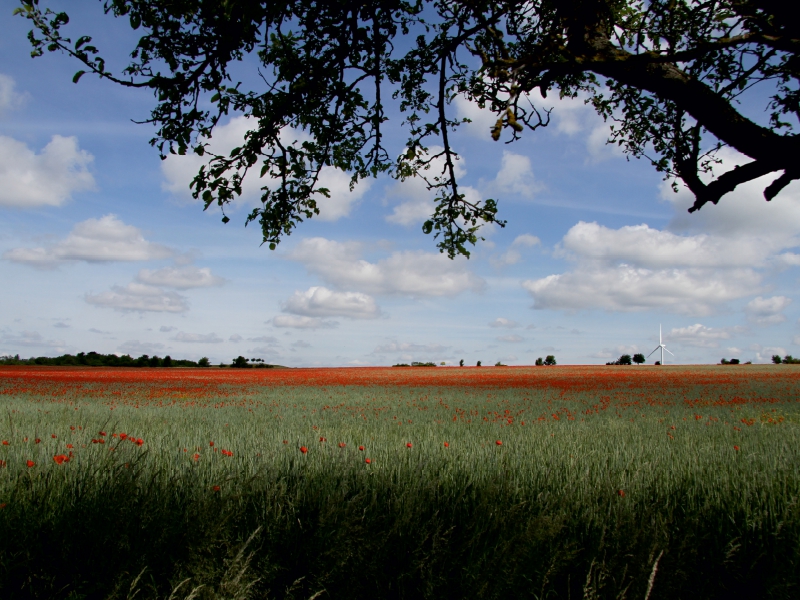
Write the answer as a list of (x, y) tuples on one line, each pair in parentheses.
[(540, 516)]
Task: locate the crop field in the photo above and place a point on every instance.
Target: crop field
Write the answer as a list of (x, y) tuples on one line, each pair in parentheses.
[(493, 482)]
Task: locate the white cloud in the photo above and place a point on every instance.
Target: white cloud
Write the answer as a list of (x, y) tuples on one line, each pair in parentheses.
[(301, 344), (395, 347), (408, 273), (503, 322), (767, 311), (322, 302), (512, 339), (296, 322), (416, 200), (198, 338), (700, 336), (178, 172), (49, 178), (95, 240), (138, 297), (264, 339), (182, 278), (342, 200), (31, 339), (638, 268), (627, 288), (166, 328), (764, 354), (10, 99), (513, 255), (515, 177), (135, 347), (235, 338)]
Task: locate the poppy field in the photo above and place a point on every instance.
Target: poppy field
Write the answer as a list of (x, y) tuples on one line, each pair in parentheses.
[(505, 482)]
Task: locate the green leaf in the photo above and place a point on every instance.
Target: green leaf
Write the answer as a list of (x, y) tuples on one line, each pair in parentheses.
[(77, 76), (225, 219), (427, 227)]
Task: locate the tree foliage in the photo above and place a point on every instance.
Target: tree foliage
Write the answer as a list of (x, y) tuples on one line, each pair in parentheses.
[(668, 74)]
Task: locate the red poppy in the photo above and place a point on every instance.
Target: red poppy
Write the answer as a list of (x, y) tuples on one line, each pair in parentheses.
[(3, 505), (285, 441), (322, 439), (60, 459), (408, 445), (30, 463), (736, 448), (361, 448), (5, 442), (37, 441), (446, 445), (196, 456), (139, 442), (53, 435), (211, 444), (70, 446), (122, 436), (227, 452), (102, 433), (621, 493), (342, 444), (72, 427), (215, 488), (101, 441), (499, 442), (303, 449), (368, 461), (2, 464)]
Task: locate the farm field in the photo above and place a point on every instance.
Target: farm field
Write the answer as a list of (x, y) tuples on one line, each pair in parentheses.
[(493, 482)]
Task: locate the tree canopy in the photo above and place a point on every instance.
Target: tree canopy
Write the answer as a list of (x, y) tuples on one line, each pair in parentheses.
[(668, 74)]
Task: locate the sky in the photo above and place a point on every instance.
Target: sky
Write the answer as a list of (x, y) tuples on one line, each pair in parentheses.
[(102, 247)]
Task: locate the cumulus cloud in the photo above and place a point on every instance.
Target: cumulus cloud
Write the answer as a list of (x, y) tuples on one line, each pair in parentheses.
[(197, 338), (135, 347), (28, 179), (767, 311), (31, 339), (512, 339), (764, 354), (503, 322), (10, 99), (408, 273), (515, 177), (166, 328), (298, 322), (638, 268), (106, 239), (264, 339), (513, 255), (178, 172), (414, 201), (235, 338), (409, 348), (700, 336), (182, 278), (322, 302), (138, 297)]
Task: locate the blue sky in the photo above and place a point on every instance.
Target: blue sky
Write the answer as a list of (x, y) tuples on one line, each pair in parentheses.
[(103, 248)]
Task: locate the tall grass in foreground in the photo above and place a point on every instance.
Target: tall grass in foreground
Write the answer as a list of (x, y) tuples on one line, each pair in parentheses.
[(590, 498)]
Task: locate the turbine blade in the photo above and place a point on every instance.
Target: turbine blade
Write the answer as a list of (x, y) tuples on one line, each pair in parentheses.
[(665, 348), (651, 354)]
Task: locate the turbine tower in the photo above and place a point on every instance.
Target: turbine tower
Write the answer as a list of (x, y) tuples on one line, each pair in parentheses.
[(660, 346)]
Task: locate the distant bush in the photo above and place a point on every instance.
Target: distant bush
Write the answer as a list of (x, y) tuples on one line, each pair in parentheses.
[(539, 361), (733, 361), (550, 360), (625, 359)]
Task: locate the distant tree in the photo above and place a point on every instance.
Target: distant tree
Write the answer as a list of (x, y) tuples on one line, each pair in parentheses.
[(550, 360), (625, 359), (669, 75), (240, 362), (776, 359), (154, 361), (443, 363), (203, 362), (658, 362), (167, 362), (724, 361), (461, 363), (499, 364), (539, 362), (479, 364), (639, 358), (734, 361)]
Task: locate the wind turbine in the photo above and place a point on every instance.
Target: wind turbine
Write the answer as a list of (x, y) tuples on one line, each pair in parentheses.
[(661, 346)]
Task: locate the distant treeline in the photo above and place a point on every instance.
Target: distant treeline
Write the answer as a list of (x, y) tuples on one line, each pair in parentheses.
[(95, 359)]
